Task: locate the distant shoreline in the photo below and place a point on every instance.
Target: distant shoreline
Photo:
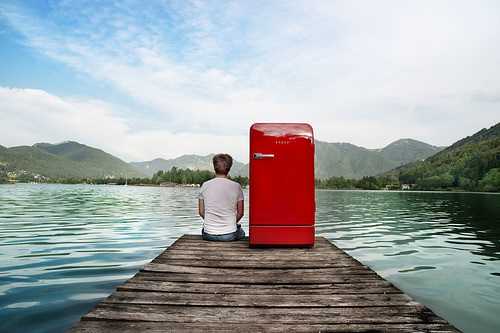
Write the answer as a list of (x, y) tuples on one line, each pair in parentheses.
[(317, 189)]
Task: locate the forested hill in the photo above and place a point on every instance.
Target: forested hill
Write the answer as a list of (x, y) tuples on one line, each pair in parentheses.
[(472, 163), (65, 160)]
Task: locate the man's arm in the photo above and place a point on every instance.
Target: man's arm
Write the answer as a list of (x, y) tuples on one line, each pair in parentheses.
[(201, 208), (239, 210)]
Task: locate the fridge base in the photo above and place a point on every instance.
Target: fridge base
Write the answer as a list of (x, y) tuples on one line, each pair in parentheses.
[(282, 236)]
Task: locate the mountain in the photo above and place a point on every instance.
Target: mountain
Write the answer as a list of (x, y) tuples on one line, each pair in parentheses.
[(74, 160), (332, 159), (404, 151), (65, 160), (472, 163), (193, 162), (102, 162), (350, 161)]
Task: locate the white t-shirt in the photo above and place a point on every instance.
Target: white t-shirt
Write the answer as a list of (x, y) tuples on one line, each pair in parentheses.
[(220, 196)]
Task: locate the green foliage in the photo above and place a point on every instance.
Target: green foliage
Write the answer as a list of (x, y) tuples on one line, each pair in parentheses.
[(466, 165), (182, 176), (365, 183), (336, 183), (368, 183), (470, 164), (436, 182), (491, 181), (188, 176), (240, 179), (3, 171)]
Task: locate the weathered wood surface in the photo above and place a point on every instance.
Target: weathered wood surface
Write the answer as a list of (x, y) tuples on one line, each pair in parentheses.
[(198, 286)]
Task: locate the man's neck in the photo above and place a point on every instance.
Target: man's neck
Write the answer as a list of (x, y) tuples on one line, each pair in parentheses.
[(220, 176)]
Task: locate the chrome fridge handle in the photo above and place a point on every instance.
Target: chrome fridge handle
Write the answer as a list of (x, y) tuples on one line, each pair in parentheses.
[(259, 156)]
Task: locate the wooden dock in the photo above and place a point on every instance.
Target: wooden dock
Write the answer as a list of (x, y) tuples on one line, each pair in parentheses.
[(199, 286)]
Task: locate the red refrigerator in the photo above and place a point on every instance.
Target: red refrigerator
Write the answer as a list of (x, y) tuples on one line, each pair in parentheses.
[(282, 205)]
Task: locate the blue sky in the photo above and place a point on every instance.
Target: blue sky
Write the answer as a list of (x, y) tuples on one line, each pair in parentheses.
[(147, 79)]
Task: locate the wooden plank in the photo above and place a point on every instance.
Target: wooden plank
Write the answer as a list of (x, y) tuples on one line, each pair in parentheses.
[(208, 255), (235, 255), (145, 279), (287, 255), (186, 237), (198, 239), (156, 327), (251, 256), (242, 300), (253, 263), (269, 278), (241, 243), (299, 254), (161, 327), (196, 286), (245, 250), (321, 243), (259, 289), (244, 271), (200, 314)]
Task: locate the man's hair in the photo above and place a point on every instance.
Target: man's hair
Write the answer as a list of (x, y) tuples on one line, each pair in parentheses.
[(222, 163)]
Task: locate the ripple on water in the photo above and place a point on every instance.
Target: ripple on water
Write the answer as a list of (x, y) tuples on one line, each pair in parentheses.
[(21, 305), (65, 247), (401, 253), (416, 269)]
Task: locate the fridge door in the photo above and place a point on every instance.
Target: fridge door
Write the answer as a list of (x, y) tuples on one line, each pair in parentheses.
[(281, 175)]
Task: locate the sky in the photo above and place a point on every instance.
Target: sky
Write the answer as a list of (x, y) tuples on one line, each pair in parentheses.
[(148, 79)]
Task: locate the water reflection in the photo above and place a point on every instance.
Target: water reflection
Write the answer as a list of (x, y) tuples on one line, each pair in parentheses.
[(65, 247)]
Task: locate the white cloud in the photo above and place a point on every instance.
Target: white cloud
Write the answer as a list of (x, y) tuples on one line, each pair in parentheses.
[(361, 72), (29, 116)]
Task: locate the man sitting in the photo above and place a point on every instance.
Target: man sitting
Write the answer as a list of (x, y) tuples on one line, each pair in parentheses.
[(220, 204)]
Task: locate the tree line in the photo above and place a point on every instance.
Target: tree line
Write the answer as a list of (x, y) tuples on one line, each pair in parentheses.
[(471, 179), (187, 176), (365, 183), (177, 176)]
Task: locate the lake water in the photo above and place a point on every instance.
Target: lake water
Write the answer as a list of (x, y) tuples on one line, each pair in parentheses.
[(65, 247)]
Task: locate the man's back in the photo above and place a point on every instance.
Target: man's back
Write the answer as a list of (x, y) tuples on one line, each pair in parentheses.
[(220, 196)]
